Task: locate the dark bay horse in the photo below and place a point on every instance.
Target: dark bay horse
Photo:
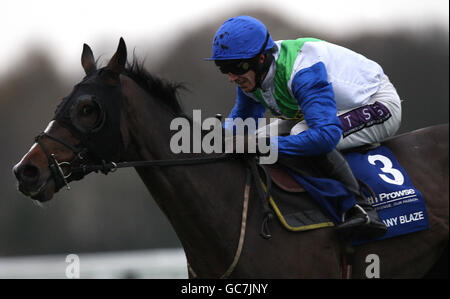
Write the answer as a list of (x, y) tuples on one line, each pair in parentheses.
[(122, 113)]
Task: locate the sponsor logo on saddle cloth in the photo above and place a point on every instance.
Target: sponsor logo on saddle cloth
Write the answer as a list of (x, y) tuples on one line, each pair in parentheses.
[(398, 203)]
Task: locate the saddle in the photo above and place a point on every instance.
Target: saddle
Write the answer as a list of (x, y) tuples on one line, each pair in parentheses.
[(286, 182), (283, 180), (294, 207)]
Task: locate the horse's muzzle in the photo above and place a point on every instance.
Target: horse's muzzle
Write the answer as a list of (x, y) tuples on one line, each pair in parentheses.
[(27, 174), (30, 182)]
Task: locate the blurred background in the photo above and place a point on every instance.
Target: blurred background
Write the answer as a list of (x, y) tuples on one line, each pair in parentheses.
[(40, 62)]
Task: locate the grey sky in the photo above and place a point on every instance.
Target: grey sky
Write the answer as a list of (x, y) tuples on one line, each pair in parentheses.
[(63, 26)]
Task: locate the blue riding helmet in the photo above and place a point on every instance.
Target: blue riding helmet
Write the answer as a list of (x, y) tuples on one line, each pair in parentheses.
[(241, 37)]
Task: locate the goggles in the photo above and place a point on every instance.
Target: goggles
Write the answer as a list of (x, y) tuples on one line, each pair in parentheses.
[(236, 67)]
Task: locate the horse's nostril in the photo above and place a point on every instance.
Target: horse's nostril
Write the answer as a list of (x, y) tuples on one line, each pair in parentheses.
[(27, 173)]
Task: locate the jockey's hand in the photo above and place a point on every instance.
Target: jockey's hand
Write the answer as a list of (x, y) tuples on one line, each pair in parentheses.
[(247, 145)]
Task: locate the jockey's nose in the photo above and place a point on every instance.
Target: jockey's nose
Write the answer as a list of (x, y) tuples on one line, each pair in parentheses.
[(27, 174)]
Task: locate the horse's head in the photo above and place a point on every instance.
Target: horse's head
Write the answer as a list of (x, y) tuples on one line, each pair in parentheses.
[(84, 130)]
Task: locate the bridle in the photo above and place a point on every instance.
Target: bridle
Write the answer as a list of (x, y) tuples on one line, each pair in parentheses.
[(54, 165), (78, 168)]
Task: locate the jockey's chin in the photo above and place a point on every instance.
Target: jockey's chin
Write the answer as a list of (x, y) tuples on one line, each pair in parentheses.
[(246, 81), (247, 86)]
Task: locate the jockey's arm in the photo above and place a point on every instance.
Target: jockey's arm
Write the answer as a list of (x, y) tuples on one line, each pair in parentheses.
[(244, 108), (316, 100)]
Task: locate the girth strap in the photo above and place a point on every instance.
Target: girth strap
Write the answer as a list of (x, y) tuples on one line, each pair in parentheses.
[(252, 172), (237, 255), (263, 195)]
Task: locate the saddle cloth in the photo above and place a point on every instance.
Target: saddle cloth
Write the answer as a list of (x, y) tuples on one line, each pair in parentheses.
[(399, 204)]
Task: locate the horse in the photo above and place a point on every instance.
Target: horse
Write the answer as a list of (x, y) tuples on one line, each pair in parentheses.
[(120, 112)]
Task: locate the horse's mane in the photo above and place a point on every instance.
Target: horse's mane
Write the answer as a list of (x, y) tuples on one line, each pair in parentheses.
[(163, 90)]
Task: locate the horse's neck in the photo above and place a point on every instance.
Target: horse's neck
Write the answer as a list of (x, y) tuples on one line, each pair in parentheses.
[(202, 202)]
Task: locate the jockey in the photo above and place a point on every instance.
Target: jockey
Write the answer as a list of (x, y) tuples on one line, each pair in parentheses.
[(327, 98)]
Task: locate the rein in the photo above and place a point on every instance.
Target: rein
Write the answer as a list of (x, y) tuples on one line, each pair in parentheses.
[(112, 166), (61, 179), (107, 167)]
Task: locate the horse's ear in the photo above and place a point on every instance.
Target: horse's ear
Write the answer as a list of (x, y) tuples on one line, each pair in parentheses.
[(87, 60), (117, 62)]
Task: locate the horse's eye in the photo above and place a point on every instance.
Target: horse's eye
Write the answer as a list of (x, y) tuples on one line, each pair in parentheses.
[(86, 114), (87, 110)]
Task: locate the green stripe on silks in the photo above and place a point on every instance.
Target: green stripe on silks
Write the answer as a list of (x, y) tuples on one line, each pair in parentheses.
[(287, 105), (297, 211)]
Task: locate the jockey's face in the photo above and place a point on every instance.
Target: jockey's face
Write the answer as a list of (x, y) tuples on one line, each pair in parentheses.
[(245, 81)]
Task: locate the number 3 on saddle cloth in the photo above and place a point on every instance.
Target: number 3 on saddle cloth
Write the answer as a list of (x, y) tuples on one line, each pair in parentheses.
[(398, 203)]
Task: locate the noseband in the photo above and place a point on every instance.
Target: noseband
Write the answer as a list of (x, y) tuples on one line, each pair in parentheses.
[(56, 167)]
